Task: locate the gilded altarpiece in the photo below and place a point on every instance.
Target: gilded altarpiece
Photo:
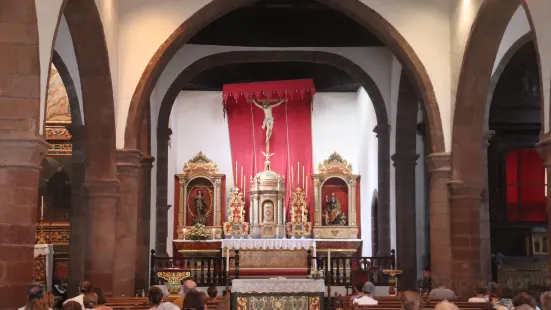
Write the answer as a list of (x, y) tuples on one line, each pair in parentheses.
[(335, 199), (200, 197)]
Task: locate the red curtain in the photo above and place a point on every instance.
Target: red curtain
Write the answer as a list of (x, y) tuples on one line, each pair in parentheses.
[(291, 140)]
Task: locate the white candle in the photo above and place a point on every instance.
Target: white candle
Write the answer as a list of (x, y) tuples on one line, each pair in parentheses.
[(245, 189), (184, 234), (213, 234), (42, 207), (235, 176), (298, 174), (228, 260), (303, 177), (292, 178), (241, 177)]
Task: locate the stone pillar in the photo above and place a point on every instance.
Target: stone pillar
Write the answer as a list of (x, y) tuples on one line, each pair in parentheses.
[(129, 169), (161, 209), (102, 197), (144, 223), (465, 214), (544, 149), (79, 212), (485, 236), (438, 166), (21, 153), (406, 236), (383, 214)]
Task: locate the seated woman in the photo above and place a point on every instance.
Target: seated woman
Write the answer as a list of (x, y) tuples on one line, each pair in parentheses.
[(411, 301)]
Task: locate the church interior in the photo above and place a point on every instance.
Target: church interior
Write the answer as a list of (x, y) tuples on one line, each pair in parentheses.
[(294, 150)]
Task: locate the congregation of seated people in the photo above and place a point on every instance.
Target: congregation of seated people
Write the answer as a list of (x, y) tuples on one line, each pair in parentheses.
[(491, 296)]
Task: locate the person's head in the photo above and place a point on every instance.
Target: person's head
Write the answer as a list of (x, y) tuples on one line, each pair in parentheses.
[(35, 292), (48, 300), (71, 305), (503, 291), (524, 299), (411, 300), (90, 300), (480, 288), (212, 291), (85, 287), (101, 295), (195, 299), (545, 300), (445, 305), (492, 288), (155, 296), (368, 288), (168, 306), (189, 285), (426, 272)]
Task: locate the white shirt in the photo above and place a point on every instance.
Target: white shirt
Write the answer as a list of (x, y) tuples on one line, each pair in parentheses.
[(478, 299), (365, 300), (79, 299)]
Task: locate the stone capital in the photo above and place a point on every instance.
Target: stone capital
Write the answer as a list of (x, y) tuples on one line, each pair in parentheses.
[(439, 164), (129, 161), (487, 137), (382, 131), (102, 188), (163, 207), (465, 190), (77, 132), (405, 159), (544, 149), (147, 162), (20, 152)]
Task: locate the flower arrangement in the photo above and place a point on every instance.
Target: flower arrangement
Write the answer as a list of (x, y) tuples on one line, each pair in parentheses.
[(316, 274), (199, 232)]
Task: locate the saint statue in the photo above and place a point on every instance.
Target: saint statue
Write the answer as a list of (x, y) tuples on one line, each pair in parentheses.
[(333, 214), (200, 208), (268, 123)]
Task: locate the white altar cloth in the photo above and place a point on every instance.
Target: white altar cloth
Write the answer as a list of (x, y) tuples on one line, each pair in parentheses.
[(48, 251), (277, 285), (269, 244)]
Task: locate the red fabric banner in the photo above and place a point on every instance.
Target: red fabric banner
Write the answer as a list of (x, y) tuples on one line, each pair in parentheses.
[(291, 139)]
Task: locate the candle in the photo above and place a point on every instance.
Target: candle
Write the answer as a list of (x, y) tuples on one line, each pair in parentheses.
[(184, 234), (228, 260), (42, 207), (245, 189), (241, 177), (298, 174), (213, 234), (303, 177), (292, 177), (235, 176)]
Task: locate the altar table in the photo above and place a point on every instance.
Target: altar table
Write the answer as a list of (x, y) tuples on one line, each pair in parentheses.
[(271, 256), (43, 265), (277, 293)]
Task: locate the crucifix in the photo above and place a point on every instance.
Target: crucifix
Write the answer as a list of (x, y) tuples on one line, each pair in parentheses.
[(268, 123)]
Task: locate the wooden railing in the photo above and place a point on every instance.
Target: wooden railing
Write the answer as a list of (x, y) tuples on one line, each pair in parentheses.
[(205, 271), (348, 271)]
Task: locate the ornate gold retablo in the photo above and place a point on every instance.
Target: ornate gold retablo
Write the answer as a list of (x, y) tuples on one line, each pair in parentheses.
[(200, 164), (335, 164)]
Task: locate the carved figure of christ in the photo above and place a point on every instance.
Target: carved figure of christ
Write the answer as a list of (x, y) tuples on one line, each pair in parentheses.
[(268, 123)]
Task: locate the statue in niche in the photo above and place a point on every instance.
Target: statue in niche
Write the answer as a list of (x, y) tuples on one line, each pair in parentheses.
[(268, 208), (333, 214), (59, 189), (200, 208)]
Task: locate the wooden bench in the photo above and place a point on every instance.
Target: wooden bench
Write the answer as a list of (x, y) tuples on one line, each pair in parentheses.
[(142, 303)]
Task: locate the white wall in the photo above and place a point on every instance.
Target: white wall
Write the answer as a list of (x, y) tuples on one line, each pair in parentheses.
[(198, 124), (47, 13), (517, 27), (368, 165)]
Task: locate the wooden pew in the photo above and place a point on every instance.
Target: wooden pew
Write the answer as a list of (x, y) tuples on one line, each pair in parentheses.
[(142, 303)]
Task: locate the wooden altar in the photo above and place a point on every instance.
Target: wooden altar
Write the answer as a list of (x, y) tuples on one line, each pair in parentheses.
[(201, 197)]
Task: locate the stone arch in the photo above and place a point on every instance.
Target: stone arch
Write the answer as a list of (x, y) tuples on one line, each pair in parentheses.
[(220, 59), (469, 223), (355, 9)]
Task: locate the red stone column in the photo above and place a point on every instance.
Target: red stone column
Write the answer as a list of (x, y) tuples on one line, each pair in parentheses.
[(438, 166), (544, 149), (21, 153), (383, 214), (144, 224), (485, 244), (101, 198), (466, 221), (129, 169)]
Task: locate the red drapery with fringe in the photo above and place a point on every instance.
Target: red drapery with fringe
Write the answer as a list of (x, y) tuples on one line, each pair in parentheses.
[(291, 140)]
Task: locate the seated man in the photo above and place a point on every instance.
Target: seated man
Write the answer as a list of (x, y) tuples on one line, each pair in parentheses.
[(34, 294), (194, 299), (480, 292), (442, 293), (84, 288), (366, 296), (425, 284)]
